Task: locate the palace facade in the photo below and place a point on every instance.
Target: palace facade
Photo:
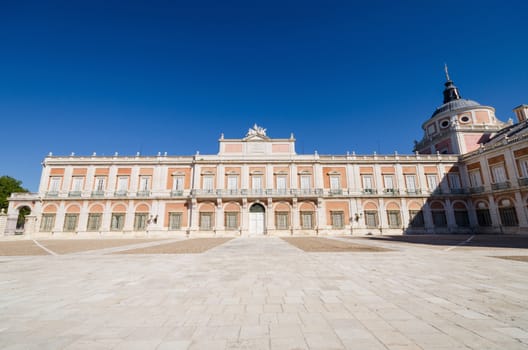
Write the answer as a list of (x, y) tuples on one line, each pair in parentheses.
[(469, 174)]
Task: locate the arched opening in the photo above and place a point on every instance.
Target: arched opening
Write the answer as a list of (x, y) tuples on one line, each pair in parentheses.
[(483, 214), (21, 219), (507, 212), (439, 214), (257, 223), (461, 214), (393, 215)]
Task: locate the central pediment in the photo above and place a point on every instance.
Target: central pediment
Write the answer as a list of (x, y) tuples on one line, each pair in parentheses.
[(257, 143)]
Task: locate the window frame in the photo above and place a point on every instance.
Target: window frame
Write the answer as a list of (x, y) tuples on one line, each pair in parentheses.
[(175, 224)]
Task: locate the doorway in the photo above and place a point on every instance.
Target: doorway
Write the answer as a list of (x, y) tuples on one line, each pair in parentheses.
[(257, 219)]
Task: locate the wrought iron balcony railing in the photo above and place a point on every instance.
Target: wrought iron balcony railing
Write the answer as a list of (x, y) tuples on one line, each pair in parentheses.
[(523, 181), (477, 189), (143, 193), (458, 190), (98, 193), (74, 194), (501, 185)]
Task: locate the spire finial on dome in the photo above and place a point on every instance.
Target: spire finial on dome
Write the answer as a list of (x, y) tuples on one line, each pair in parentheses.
[(446, 72), (451, 92)]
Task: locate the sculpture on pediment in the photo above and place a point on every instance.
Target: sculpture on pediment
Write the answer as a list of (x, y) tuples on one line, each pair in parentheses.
[(256, 130)]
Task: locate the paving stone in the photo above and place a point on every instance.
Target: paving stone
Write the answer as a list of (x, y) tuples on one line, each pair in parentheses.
[(266, 294)]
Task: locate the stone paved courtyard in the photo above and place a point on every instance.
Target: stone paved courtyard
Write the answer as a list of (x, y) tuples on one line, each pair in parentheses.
[(264, 293)]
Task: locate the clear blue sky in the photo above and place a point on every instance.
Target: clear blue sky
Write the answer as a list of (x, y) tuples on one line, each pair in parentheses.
[(149, 76)]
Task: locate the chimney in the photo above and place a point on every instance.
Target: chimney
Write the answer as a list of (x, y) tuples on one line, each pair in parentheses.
[(521, 112)]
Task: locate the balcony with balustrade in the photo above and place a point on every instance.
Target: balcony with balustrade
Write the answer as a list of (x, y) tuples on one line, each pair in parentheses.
[(523, 182), (391, 192), (500, 186), (476, 189), (413, 192), (121, 193), (98, 194)]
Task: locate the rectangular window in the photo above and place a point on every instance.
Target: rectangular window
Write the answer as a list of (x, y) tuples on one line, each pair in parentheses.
[(394, 218), (206, 221), (307, 220), (335, 182), (178, 183), (144, 183), (175, 221), (94, 222), (439, 218), (410, 182), (337, 219), (256, 182), (388, 181), (231, 220), (232, 182), (47, 222), (282, 220), (281, 183), (70, 222), (208, 185), (483, 217), (499, 174), (122, 185), (454, 181), (432, 182), (140, 221), (371, 218), (367, 183), (475, 179), (118, 222), (416, 218), (508, 216), (77, 183), (523, 165), (305, 182), (100, 184), (54, 185), (461, 218)]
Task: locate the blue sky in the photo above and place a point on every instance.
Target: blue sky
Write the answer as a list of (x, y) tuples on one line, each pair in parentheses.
[(156, 76)]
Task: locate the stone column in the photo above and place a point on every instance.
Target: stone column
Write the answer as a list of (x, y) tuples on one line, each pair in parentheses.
[(219, 216), (295, 215), (428, 218), (3, 221), (30, 225)]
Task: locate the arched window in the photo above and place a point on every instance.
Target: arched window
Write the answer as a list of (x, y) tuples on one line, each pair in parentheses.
[(232, 216), (393, 215), (416, 218), (483, 214), (507, 213), (461, 214), (371, 215), (439, 215)]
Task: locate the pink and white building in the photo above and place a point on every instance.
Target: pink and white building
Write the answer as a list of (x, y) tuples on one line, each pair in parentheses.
[(469, 174)]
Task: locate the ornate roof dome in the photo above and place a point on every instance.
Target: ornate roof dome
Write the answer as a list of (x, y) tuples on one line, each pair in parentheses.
[(452, 99), (455, 105)]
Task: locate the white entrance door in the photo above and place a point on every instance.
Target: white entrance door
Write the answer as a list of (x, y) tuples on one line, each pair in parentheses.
[(256, 219), (256, 223)]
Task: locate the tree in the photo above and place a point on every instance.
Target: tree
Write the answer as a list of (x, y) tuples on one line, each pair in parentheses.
[(9, 185)]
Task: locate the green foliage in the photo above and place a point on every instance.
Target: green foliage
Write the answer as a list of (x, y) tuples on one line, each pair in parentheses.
[(9, 185)]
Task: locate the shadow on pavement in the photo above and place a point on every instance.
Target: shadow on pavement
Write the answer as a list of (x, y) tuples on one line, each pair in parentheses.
[(491, 241)]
